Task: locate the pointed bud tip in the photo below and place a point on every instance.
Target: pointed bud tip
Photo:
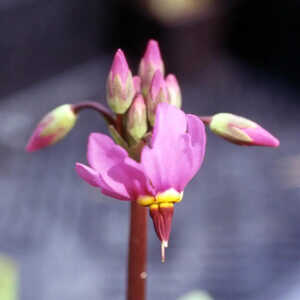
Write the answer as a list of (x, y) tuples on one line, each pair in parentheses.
[(152, 52), (138, 100), (172, 80), (150, 62), (262, 137), (120, 66), (173, 90)]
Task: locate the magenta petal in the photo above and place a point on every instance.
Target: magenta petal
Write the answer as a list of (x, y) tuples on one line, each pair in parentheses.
[(196, 130), (87, 174), (169, 159), (131, 175), (170, 123), (118, 175), (93, 178), (103, 153)]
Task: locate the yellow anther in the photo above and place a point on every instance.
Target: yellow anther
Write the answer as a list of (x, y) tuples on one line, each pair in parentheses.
[(145, 200), (169, 196), (166, 204), (154, 206)]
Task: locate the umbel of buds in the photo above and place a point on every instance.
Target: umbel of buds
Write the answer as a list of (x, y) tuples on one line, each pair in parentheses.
[(52, 128), (241, 131)]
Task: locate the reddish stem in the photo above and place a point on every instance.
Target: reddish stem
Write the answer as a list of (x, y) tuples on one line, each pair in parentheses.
[(102, 110), (119, 124), (137, 243), (205, 119), (137, 255)]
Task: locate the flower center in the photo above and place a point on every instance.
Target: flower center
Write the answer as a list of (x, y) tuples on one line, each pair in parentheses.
[(169, 196)]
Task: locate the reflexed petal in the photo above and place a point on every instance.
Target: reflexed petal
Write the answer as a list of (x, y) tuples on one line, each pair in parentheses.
[(196, 130), (87, 174), (170, 123), (118, 175), (169, 162), (103, 153), (131, 175), (94, 178)]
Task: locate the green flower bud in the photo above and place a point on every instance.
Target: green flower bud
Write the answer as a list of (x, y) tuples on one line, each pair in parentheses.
[(136, 122), (52, 128), (120, 86)]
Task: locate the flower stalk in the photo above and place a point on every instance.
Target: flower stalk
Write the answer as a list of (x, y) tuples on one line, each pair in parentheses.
[(101, 109), (137, 253)]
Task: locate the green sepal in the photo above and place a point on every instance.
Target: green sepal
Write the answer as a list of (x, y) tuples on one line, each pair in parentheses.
[(117, 137)]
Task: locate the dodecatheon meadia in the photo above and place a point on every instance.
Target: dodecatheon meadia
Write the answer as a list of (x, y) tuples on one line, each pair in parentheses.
[(172, 158), (155, 149)]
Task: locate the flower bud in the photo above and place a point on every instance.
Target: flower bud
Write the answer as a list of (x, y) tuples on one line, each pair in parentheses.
[(137, 84), (120, 87), (150, 63), (158, 93), (241, 131), (173, 90), (52, 128), (136, 124)]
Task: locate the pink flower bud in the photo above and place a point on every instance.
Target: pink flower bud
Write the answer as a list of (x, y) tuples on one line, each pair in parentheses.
[(150, 63), (173, 90), (120, 88), (158, 93), (241, 131), (136, 124), (137, 84), (52, 128)]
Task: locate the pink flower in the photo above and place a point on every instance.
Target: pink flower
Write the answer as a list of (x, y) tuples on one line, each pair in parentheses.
[(172, 159)]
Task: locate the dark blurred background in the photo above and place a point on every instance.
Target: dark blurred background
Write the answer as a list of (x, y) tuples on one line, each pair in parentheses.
[(236, 234)]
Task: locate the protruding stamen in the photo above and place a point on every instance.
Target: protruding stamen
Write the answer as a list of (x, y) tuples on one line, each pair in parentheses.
[(164, 245), (163, 254)]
